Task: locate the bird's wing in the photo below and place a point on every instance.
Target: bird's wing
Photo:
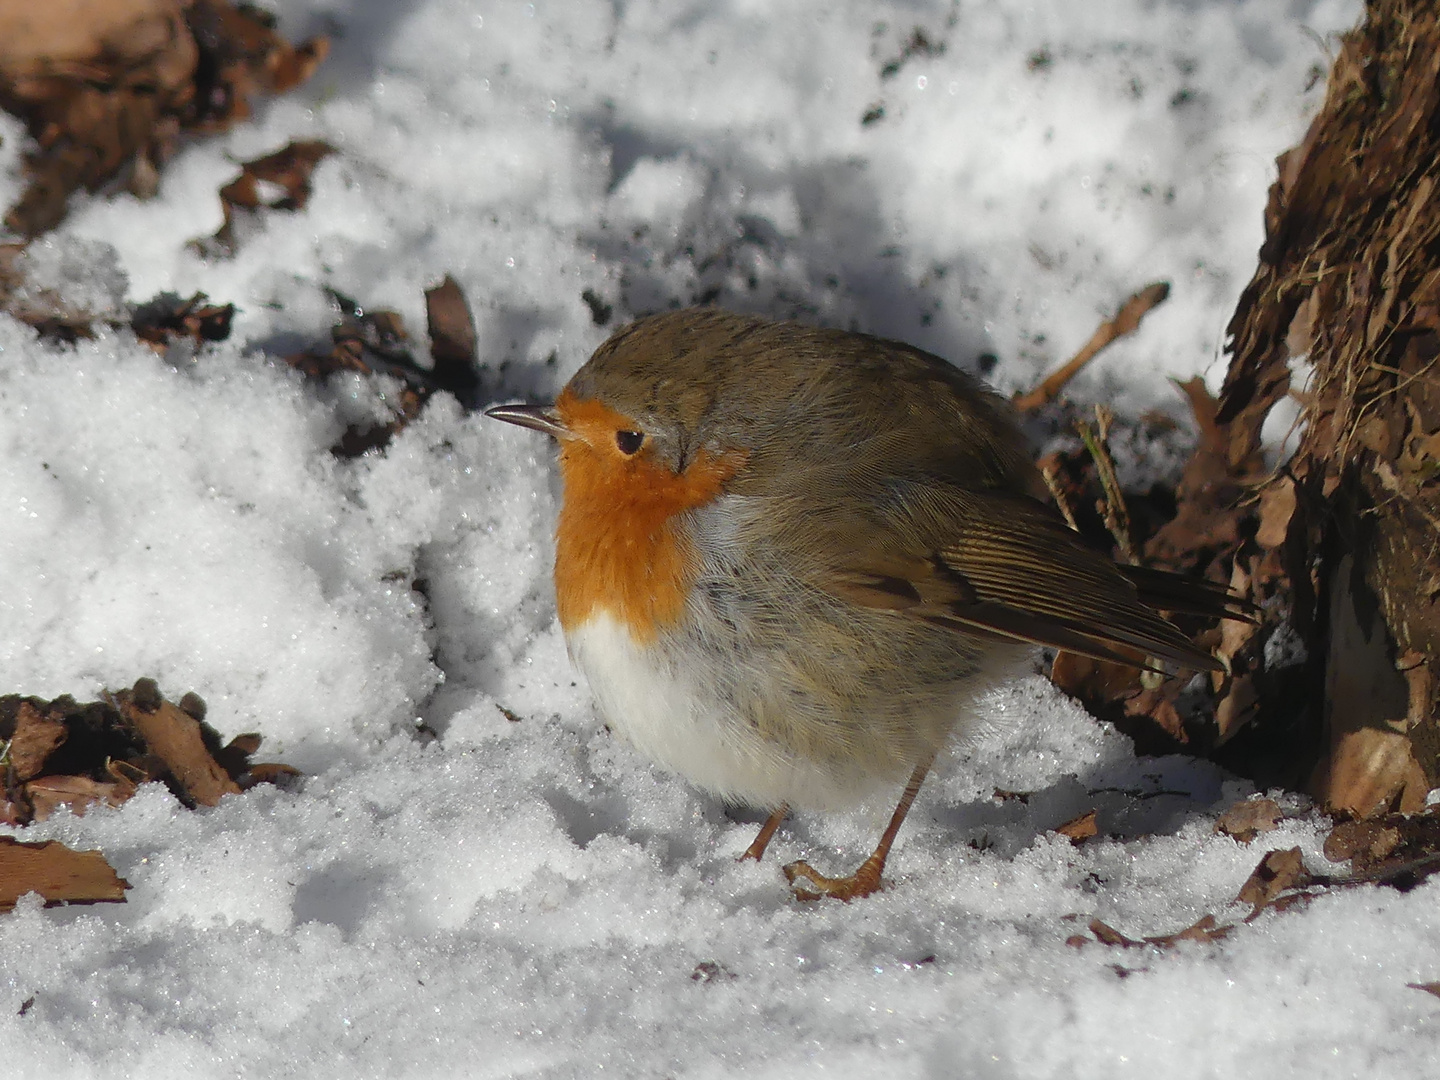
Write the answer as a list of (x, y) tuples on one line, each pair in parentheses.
[(1007, 566)]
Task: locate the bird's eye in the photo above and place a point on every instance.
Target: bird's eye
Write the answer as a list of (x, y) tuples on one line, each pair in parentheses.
[(629, 442)]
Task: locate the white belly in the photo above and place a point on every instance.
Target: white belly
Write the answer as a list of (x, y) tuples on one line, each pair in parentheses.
[(672, 713)]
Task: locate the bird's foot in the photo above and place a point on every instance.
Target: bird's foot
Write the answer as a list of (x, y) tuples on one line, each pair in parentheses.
[(767, 831), (809, 884)]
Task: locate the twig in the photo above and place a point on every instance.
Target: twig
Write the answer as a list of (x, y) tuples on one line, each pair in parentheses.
[(1124, 322), (1056, 493), (1112, 507)]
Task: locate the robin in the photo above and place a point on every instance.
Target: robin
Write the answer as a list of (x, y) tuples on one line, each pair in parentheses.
[(790, 560)]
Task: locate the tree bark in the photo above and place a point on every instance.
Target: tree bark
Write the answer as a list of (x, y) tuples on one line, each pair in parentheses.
[(1341, 540)]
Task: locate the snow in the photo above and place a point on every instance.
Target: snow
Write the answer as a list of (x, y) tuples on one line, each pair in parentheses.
[(529, 897)]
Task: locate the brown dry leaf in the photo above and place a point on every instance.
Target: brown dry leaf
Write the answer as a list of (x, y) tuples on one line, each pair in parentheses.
[(57, 873), (235, 757), (35, 38), (176, 738), (77, 793), (1277, 872), (168, 318), (1277, 507), (1206, 928), (1236, 708), (1203, 929), (288, 169), (105, 756), (452, 339), (1246, 820), (1079, 829), (1364, 842), (1368, 772), (1429, 988), (1390, 849), (1209, 498), (1205, 410), (1088, 679), (376, 341), (1108, 935), (241, 57), (269, 772), (106, 87), (1157, 704), (93, 80)]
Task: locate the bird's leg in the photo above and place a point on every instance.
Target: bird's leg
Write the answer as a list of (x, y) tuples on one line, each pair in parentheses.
[(866, 880), (766, 833)]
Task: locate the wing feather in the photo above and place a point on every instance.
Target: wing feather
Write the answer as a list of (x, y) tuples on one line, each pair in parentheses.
[(1008, 567)]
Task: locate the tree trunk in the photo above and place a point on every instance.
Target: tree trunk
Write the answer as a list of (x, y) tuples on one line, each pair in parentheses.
[(1341, 542)]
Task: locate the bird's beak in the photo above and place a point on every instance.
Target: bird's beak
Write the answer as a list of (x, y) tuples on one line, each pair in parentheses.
[(539, 417)]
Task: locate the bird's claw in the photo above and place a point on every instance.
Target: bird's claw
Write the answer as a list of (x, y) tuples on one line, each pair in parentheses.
[(863, 882)]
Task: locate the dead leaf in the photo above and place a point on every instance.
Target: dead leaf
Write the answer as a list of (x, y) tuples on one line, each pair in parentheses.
[(1277, 872), (1365, 842), (1108, 935), (1429, 988), (270, 772), (1079, 829), (77, 793), (1277, 507), (106, 87), (57, 873), (168, 318), (1091, 680), (1206, 928), (288, 169), (452, 339), (1238, 707), (1369, 771), (1246, 820)]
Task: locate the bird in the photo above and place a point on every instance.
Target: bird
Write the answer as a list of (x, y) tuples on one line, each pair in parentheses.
[(791, 560)]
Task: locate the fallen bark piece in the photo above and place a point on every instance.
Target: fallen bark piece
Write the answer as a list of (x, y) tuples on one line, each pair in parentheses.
[(102, 751), (176, 738), (35, 737), (57, 873)]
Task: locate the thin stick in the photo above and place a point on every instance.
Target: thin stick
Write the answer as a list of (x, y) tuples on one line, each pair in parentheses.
[(1125, 322), (1051, 482), (1112, 507)]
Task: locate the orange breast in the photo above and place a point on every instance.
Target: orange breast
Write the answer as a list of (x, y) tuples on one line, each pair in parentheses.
[(618, 545)]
